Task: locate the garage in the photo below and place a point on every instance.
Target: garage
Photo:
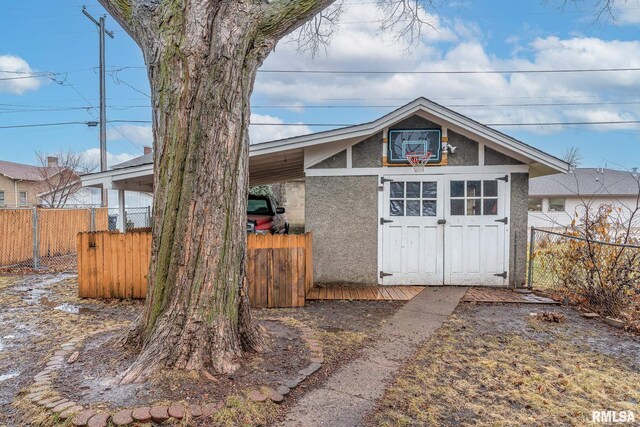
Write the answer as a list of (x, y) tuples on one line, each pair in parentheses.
[(458, 216)]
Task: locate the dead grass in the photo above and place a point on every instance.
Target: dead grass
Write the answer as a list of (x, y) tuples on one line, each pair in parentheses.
[(242, 412), (462, 377)]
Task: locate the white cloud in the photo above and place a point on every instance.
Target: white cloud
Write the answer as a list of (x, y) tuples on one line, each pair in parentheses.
[(268, 133), (18, 71), (92, 156), (457, 47), (627, 14), (142, 135)]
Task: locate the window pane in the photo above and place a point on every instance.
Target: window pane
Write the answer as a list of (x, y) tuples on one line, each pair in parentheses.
[(473, 207), (457, 207), (473, 189), (490, 188), (535, 204), (413, 190), (429, 207), (490, 207), (413, 208), (397, 190), (457, 189), (556, 205), (429, 190), (397, 208)]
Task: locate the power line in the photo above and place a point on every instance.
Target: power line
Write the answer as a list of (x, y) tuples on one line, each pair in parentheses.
[(282, 71), (35, 125), (559, 104), (531, 71)]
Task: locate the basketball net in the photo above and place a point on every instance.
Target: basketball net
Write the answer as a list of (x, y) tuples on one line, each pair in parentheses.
[(418, 160)]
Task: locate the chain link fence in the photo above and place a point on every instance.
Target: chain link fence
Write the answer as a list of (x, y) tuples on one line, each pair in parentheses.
[(133, 218), (46, 239), (601, 275)]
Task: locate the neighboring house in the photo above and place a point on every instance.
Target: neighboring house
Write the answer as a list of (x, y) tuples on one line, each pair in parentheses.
[(554, 200), (462, 221), (290, 195), (21, 184)]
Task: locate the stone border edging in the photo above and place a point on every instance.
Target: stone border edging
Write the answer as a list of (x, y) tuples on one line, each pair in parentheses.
[(43, 392)]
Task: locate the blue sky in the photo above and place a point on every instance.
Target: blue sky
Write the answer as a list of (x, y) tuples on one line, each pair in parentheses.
[(40, 36)]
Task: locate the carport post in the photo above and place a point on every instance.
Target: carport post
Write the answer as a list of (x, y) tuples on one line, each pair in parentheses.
[(36, 241), (121, 212)]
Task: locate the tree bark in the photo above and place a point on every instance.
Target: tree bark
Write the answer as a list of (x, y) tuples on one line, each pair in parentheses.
[(202, 59)]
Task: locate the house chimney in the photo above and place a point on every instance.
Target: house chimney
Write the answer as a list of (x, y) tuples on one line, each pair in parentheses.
[(52, 161), (147, 149)]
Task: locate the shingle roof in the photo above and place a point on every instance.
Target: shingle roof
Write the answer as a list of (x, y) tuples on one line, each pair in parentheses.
[(586, 182), (145, 159), (23, 172)]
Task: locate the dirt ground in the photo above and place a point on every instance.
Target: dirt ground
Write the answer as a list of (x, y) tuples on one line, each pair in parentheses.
[(40, 312), (497, 365)]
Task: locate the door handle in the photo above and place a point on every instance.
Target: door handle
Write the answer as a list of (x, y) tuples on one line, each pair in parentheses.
[(442, 221)]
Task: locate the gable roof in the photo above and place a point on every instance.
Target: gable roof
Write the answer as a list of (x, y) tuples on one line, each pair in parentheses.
[(22, 172), (455, 121), (586, 182), (145, 159), (284, 159)]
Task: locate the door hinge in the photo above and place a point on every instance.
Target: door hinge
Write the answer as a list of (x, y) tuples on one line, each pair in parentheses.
[(504, 220), (503, 178), (383, 180), (384, 221), (503, 274), (383, 274)]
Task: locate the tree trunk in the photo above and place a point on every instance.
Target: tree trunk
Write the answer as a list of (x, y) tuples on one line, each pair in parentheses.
[(197, 312), (202, 57)]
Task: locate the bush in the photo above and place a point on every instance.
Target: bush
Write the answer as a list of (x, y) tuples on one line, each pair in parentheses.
[(595, 262)]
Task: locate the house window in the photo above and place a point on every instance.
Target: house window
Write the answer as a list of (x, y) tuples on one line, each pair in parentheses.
[(1, 198), (23, 198), (472, 198), (556, 205), (413, 198), (535, 204)]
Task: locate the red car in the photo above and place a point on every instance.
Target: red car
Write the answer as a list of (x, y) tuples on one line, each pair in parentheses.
[(265, 216)]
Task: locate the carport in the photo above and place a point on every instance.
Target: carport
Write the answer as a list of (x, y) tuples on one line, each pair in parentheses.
[(266, 166)]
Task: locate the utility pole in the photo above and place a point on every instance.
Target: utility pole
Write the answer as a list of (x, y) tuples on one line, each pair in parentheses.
[(103, 108)]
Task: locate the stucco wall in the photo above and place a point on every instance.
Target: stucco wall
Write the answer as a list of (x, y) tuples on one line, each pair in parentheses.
[(518, 226), (367, 153), (336, 161), (493, 157), (342, 213), (466, 150)]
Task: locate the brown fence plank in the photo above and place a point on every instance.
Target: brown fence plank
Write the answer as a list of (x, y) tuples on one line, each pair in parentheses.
[(115, 265)]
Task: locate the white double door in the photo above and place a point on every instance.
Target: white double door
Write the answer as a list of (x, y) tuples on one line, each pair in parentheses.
[(450, 230)]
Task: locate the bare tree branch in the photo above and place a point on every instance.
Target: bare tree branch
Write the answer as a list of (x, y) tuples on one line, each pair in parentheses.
[(59, 174), (315, 34)]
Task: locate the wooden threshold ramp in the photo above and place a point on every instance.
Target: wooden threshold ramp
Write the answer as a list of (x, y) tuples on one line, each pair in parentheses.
[(364, 293)]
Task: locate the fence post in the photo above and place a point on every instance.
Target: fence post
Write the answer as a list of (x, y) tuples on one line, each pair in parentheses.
[(92, 225), (532, 242), (36, 240)]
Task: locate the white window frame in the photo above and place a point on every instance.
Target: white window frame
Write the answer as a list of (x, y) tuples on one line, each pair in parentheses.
[(26, 198), (564, 204)]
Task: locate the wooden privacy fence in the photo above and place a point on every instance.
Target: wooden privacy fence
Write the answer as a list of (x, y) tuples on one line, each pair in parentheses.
[(114, 265), (29, 236)]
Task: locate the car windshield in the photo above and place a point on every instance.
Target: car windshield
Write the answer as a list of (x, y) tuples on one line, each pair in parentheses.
[(258, 207)]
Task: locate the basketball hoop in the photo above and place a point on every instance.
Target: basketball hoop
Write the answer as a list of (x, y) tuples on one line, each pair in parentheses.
[(418, 159)]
